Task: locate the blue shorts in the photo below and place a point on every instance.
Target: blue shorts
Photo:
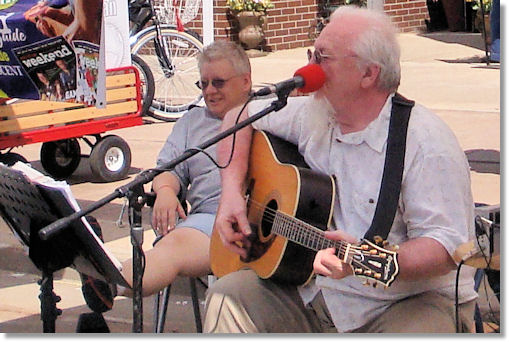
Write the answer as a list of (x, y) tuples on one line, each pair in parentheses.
[(201, 221)]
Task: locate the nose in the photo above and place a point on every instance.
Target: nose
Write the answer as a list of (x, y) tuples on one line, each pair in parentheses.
[(210, 89)]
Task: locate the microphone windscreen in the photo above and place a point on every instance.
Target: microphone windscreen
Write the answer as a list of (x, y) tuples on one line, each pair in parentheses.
[(313, 76)]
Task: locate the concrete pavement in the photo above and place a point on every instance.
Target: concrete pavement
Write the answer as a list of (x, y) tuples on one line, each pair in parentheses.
[(443, 71)]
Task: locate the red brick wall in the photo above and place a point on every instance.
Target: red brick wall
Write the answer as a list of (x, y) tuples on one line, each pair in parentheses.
[(289, 22), (409, 15)]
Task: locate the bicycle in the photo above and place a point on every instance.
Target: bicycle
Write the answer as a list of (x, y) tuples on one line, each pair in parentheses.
[(170, 51), (146, 81)]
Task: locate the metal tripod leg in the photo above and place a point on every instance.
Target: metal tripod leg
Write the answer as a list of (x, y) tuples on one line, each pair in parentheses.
[(196, 305), (49, 300), (160, 308)]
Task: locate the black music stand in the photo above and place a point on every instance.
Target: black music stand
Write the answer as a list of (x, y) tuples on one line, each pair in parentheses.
[(28, 207)]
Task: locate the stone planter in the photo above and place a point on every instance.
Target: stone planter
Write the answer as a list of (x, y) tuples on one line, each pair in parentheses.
[(251, 28)]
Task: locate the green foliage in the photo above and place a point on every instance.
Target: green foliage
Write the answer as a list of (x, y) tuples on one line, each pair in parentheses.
[(249, 5), (360, 3), (486, 4)]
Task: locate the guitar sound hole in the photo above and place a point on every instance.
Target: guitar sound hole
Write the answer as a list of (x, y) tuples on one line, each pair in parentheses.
[(262, 241), (268, 218)]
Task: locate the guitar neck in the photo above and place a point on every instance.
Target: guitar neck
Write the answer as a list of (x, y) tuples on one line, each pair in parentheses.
[(307, 235)]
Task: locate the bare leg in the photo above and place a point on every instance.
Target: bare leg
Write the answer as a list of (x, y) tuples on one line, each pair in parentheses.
[(184, 251)]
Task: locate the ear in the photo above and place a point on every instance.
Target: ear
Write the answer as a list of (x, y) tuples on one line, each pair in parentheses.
[(246, 82), (370, 77)]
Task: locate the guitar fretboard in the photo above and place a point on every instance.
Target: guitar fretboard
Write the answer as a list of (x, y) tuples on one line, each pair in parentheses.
[(305, 234)]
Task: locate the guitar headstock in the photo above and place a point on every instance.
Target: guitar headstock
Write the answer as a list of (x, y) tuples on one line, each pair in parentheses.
[(373, 262)]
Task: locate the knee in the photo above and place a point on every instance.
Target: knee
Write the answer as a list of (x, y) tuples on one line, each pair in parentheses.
[(225, 305), (234, 285)]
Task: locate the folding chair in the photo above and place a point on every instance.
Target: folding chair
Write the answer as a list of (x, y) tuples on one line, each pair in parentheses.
[(162, 297), (161, 304)]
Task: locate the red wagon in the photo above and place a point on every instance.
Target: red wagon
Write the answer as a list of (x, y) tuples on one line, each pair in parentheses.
[(59, 125)]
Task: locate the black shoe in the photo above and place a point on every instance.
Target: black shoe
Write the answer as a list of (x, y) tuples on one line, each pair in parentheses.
[(92, 322), (97, 293)]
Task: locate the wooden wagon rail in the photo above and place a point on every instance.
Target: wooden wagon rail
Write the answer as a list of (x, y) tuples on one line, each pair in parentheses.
[(58, 125)]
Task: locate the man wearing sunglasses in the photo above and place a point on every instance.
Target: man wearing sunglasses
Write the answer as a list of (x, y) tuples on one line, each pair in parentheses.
[(342, 131), (183, 249)]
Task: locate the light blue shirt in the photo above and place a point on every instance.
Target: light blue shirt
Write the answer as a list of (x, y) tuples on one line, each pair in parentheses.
[(200, 181)]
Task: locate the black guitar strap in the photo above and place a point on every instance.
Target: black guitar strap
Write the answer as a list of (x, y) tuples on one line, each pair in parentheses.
[(393, 169)]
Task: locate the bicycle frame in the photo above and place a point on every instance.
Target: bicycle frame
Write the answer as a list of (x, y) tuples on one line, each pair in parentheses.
[(139, 15), (145, 14)]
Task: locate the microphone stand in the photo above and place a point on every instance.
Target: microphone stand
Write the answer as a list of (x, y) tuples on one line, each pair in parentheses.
[(135, 193)]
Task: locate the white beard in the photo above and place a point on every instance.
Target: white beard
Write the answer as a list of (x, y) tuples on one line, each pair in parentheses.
[(322, 106)]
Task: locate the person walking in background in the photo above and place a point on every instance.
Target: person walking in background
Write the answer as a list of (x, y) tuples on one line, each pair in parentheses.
[(495, 31)]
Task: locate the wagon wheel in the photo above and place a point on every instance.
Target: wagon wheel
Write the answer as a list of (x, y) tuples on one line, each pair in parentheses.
[(61, 158), (110, 158)]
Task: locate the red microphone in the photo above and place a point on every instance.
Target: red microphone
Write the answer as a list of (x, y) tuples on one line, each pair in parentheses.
[(307, 79)]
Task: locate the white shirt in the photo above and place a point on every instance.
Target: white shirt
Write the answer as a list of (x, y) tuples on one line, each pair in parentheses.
[(435, 201)]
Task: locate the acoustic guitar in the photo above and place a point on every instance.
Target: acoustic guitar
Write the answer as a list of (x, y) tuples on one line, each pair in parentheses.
[(289, 207)]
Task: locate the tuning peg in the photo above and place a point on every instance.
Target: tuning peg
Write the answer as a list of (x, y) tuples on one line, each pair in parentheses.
[(385, 243), (377, 275), (394, 248), (366, 283), (373, 251), (367, 272), (375, 284), (383, 255), (378, 240)]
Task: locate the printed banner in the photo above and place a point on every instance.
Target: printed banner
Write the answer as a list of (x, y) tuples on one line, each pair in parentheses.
[(38, 42), (51, 66), (87, 55), (116, 20)]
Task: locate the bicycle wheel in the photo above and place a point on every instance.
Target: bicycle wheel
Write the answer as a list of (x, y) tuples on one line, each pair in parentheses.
[(175, 88), (147, 83)]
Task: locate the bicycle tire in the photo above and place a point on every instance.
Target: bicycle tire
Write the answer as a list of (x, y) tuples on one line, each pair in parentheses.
[(147, 83), (174, 93)]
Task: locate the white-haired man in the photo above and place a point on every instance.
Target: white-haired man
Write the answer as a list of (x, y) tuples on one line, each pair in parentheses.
[(342, 131)]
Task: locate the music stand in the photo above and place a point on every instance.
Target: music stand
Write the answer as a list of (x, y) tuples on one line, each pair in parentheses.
[(27, 207)]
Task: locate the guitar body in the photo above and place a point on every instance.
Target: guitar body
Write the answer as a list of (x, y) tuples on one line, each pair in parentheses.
[(278, 180)]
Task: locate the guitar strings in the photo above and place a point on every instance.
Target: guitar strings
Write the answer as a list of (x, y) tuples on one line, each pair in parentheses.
[(311, 231), (270, 214)]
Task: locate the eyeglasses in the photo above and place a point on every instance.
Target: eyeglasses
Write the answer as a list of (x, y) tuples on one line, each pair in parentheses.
[(317, 56), (217, 83)]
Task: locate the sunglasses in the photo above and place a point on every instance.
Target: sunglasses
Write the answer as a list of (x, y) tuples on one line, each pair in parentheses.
[(317, 56), (217, 83)]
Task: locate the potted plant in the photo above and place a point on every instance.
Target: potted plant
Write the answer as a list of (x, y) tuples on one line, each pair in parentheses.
[(251, 17), (360, 3)]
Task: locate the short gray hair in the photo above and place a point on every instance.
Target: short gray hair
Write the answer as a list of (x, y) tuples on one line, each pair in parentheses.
[(224, 49), (377, 44)]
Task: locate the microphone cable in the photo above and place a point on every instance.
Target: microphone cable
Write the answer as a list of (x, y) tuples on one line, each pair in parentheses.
[(480, 230), (233, 140), (456, 297), (200, 150)]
